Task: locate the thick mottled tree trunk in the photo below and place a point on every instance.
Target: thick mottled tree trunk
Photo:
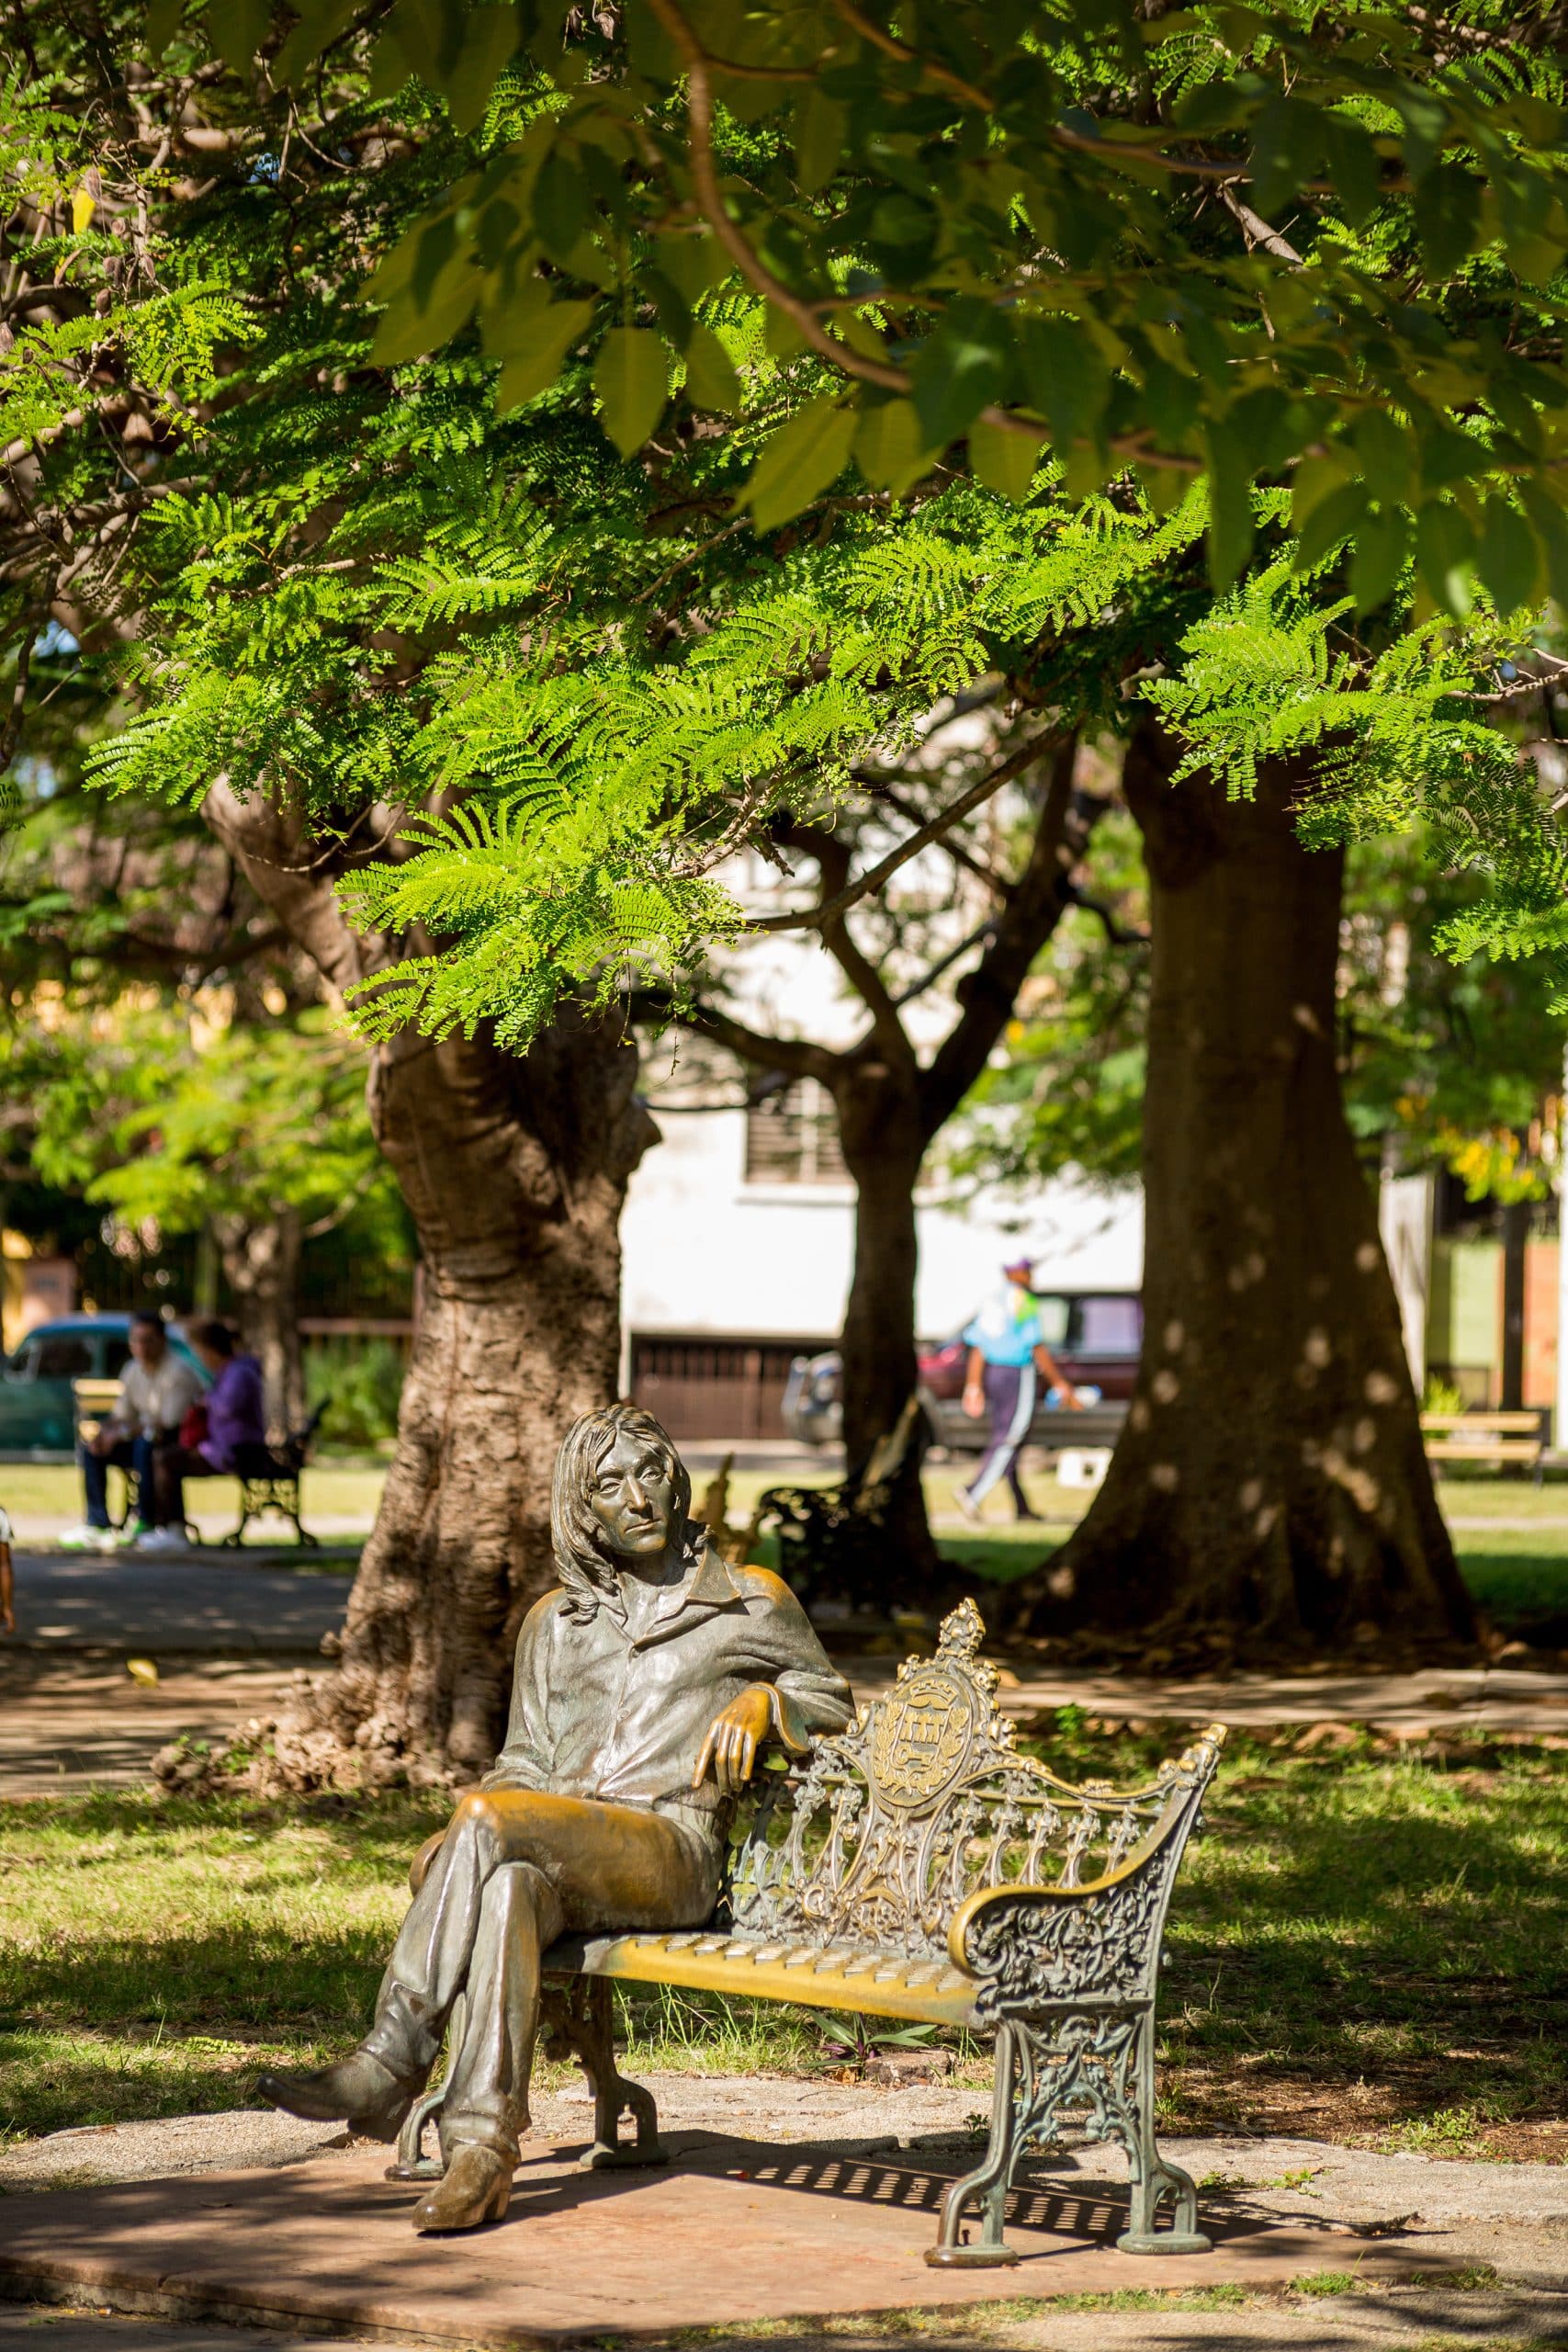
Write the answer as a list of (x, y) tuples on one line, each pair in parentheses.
[(881, 1130), (1270, 1492), (514, 1170), (262, 1262)]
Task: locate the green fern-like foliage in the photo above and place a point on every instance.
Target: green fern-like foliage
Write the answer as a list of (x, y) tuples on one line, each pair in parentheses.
[(526, 695), (1403, 739)]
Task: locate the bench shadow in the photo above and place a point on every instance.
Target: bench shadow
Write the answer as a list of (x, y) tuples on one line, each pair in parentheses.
[(1092, 2214)]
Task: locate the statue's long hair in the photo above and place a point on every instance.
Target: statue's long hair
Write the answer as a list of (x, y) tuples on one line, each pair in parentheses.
[(586, 1574)]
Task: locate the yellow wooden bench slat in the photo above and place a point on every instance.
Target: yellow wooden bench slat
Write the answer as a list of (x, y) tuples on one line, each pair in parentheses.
[(875, 1982)]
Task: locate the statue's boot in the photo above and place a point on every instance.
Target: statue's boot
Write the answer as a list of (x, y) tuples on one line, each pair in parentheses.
[(359, 2091), (475, 2188)]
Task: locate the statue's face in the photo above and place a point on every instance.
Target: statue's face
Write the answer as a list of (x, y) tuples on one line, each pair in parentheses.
[(633, 1497)]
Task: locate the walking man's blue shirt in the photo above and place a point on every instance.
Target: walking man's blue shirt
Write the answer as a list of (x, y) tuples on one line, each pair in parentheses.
[(1008, 1329)]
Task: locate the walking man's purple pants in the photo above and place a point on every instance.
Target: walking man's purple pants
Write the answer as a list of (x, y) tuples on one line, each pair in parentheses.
[(1010, 1391)]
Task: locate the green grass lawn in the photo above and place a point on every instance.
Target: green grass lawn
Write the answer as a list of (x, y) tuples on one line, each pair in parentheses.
[(1363, 1947)]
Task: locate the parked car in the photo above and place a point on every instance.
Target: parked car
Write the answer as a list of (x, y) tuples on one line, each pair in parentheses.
[(1095, 1336), (37, 1413)]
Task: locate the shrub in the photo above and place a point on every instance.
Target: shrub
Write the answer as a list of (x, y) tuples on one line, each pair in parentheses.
[(362, 1381)]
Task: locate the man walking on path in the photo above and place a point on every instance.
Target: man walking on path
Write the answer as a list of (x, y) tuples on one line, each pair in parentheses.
[(157, 1390), (1007, 1351)]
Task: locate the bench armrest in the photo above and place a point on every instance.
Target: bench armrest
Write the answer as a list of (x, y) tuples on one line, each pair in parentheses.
[(1036, 1944)]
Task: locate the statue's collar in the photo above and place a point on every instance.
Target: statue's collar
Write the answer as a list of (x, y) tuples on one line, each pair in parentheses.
[(709, 1586)]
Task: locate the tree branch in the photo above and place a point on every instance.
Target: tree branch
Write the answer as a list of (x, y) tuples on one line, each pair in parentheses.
[(794, 1056), (992, 782), (1036, 906), (832, 857)]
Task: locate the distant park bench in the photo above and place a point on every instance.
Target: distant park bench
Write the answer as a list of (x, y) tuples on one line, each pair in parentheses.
[(1485, 1437), (268, 1475), (918, 1867)]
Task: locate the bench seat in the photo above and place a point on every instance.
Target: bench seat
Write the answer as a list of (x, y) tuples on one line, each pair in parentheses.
[(838, 1976)]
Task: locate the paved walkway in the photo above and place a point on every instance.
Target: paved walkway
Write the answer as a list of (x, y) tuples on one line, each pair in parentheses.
[(200, 1601), (228, 1635), (787, 2199)]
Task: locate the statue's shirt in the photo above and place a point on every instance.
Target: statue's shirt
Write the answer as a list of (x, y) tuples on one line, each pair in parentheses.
[(601, 1711)]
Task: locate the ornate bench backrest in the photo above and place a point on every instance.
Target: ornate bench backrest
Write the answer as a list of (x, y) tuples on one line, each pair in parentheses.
[(923, 1800)]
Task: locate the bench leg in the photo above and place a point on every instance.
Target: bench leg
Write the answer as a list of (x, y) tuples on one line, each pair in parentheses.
[(1152, 2176), (583, 2011), (990, 2181), (412, 2163)]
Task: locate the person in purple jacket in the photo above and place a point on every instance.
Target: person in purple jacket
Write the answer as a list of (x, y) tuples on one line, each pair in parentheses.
[(235, 1412)]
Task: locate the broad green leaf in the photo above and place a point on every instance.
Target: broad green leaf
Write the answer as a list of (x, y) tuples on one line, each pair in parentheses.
[(781, 337), (964, 367), (1065, 376), (164, 21), (532, 369), (801, 462), (821, 126), (711, 378), (1445, 551), (1230, 511), (692, 265), (887, 446), (237, 29), (1447, 206), (1382, 539), (415, 321), (1507, 556), (511, 319), (1386, 448), (560, 206), (318, 24), (489, 45), (1333, 520), (631, 377), (1550, 527), (1353, 169), (1005, 462)]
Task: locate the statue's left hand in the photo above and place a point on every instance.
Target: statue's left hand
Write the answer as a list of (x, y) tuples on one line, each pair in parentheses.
[(734, 1739)]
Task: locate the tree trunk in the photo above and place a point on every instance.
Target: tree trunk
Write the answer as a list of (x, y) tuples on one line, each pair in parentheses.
[(881, 1132), (514, 1170), (1270, 1493), (262, 1262)]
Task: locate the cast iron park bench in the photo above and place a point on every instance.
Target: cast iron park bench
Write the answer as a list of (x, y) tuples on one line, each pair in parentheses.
[(918, 1866)]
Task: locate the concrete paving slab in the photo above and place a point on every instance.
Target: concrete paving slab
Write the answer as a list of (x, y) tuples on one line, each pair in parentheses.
[(734, 2231), (197, 1603), (1442, 1702), (71, 1722)]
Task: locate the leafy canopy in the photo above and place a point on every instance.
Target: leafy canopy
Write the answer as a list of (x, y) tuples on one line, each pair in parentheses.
[(1246, 241), (527, 678)]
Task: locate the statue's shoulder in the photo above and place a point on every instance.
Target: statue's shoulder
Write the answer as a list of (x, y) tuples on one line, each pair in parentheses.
[(763, 1587), (544, 1618)]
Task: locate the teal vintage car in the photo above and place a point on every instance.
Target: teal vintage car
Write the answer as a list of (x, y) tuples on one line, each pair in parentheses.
[(37, 1415)]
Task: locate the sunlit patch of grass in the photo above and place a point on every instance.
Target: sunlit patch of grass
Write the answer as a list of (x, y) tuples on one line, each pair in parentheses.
[(1361, 1946)]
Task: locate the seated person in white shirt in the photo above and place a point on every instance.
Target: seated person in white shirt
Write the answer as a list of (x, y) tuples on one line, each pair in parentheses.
[(157, 1390)]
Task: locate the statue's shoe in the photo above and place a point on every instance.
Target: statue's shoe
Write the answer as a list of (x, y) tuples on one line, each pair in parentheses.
[(475, 2188), (359, 2091)]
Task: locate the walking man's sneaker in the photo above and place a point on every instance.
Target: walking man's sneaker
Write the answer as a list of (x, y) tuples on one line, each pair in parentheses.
[(87, 1538), (967, 1503)]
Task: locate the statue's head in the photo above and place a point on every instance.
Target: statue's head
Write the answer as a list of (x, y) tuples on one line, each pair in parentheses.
[(622, 1494)]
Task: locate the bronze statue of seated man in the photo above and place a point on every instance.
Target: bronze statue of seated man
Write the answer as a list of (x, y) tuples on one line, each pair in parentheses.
[(644, 1688)]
